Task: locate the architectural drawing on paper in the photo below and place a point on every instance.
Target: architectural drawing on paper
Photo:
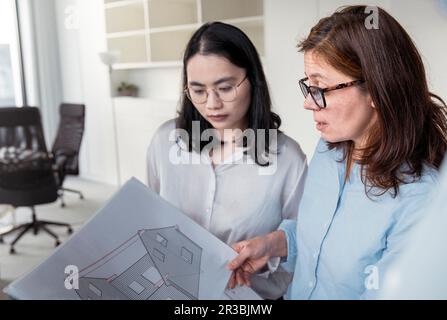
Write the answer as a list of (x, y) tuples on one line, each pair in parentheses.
[(167, 267)]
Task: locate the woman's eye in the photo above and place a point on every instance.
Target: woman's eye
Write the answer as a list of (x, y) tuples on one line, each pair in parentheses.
[(225, 89), (199, 91)]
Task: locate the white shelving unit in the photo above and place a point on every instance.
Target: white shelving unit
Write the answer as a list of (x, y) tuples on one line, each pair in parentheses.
[(154, 33)]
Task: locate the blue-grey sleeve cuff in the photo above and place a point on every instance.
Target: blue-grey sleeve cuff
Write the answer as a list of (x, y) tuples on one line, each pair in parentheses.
[(289, 228)]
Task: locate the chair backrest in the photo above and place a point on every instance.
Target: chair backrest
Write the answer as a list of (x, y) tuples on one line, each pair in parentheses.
[(69, 135), (26, 173)]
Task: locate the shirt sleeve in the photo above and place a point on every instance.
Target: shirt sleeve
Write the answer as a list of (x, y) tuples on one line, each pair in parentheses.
[(288, 263), (289, 228), (396, 241)]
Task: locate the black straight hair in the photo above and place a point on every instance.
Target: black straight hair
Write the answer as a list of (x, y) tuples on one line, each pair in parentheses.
[(221, 39)]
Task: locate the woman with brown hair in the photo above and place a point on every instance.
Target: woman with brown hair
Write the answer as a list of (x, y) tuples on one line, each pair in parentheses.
[(383, 139)]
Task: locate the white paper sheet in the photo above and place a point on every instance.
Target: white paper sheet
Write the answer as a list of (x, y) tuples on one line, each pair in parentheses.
[(138, 246)]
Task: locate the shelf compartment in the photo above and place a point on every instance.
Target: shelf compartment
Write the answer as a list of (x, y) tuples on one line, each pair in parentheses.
[(169, 45), (165, 13), (132, 48), (217, 10), (125, 18)]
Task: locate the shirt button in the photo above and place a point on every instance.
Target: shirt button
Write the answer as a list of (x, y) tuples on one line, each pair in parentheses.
[(315, 255), (311, 284)]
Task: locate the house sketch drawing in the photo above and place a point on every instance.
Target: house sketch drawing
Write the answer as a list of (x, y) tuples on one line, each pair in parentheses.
[(138, 246), (157, 264)]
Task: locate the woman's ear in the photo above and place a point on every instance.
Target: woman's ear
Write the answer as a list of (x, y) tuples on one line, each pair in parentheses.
[(371, 102)]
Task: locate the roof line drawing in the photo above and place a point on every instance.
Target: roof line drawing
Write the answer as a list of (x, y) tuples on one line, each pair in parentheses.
[(113, 252), (169, 268)]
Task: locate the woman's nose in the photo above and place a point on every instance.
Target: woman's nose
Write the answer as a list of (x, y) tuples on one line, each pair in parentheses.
[(309, 104), (213, 101)]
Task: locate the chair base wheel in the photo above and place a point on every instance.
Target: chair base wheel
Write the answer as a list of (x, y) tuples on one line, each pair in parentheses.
[(81, 197), (1, 240), (57, 243), (70, 230), (12, 251)]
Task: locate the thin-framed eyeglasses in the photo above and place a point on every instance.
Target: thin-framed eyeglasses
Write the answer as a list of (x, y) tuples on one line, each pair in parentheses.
[(225, 92), (317, 93)]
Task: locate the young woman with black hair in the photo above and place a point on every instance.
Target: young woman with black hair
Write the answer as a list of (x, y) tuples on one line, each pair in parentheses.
[(223, 161)]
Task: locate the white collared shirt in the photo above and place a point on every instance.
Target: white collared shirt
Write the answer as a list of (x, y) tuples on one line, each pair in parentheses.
[(234, 200)]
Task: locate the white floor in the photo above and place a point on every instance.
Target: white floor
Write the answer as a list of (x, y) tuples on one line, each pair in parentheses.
[(32, 250)]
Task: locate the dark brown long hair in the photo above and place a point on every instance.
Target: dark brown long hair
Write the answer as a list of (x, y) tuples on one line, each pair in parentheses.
[(411, 122)]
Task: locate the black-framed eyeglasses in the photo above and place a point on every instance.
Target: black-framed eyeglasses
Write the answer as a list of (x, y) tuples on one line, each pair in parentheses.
[(225, 92), (317, 93)]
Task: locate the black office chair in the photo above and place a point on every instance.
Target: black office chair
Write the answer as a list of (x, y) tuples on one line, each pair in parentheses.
[(26, 169), (67, 145)]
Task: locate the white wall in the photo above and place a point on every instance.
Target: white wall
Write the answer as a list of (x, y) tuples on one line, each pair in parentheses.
[(286, 21), (426, 22), (100, 162), (67, 22), (285, 24)]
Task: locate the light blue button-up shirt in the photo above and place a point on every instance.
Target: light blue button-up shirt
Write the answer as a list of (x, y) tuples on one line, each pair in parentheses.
[(343, 241)]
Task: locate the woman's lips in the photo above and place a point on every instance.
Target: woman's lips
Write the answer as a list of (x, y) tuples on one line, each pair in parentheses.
[(219, 117), (320, 125)]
